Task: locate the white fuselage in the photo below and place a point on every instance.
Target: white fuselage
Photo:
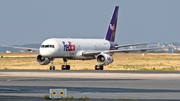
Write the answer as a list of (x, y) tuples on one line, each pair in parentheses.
[(72, 48)]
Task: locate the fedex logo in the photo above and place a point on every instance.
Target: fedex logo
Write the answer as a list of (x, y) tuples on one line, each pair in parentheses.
[(112, 27), (109, 58), (69, 47)]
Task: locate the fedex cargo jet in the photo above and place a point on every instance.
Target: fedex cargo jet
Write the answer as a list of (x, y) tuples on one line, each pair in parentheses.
[(83, 49)]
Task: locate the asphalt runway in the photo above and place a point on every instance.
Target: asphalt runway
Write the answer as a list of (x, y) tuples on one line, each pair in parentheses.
[(33, 85)]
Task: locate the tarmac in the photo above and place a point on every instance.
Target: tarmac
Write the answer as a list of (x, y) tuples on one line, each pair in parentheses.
[(34, 85)]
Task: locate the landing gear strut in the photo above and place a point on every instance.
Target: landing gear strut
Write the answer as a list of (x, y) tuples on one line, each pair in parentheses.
[(51, 66), (98, 67), (65, 66)]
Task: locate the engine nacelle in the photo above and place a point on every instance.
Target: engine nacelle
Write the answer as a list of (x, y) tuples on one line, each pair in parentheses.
[(42, 60), (104, 59)]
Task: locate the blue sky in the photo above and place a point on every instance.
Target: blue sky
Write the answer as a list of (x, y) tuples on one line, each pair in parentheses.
[(33, 21)]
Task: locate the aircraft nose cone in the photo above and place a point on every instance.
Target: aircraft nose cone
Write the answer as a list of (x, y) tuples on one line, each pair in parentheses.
[(45, 52)]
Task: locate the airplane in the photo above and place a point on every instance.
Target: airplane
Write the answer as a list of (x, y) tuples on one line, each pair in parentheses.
[(83, 49)]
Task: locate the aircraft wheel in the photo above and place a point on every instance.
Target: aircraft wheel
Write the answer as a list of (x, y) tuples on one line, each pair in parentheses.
[(68, 67), (100, 67), (97, 67), (53, 67), (63, 67), (50, 68)]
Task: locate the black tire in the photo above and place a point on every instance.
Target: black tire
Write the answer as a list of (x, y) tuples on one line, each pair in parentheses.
[(97, 67), (68, 67), (63, 67), (50, 67), (53, 67), (100, 67)]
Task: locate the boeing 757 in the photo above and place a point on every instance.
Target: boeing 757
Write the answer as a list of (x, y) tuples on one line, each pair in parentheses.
[(83, 49)]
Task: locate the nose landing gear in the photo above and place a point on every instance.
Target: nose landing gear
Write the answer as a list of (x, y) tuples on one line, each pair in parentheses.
[(51, 66)]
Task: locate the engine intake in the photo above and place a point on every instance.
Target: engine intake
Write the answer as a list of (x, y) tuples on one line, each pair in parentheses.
[(104, 59), (42, 60)]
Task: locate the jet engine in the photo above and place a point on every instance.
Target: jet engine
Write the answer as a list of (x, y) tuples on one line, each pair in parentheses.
[(104, 59), (42, 60)]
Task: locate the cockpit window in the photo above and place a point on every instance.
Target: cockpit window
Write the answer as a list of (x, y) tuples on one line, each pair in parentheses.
[(42, 45), (47, 46), (52, 46)]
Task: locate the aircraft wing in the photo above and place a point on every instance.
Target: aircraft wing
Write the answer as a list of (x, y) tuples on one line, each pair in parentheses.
[(131, 45), (24, 48), (91, 53), (131, 50), (121, 50)]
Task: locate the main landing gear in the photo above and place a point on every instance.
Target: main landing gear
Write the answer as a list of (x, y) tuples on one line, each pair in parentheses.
[(65, 66), (98, 67)]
